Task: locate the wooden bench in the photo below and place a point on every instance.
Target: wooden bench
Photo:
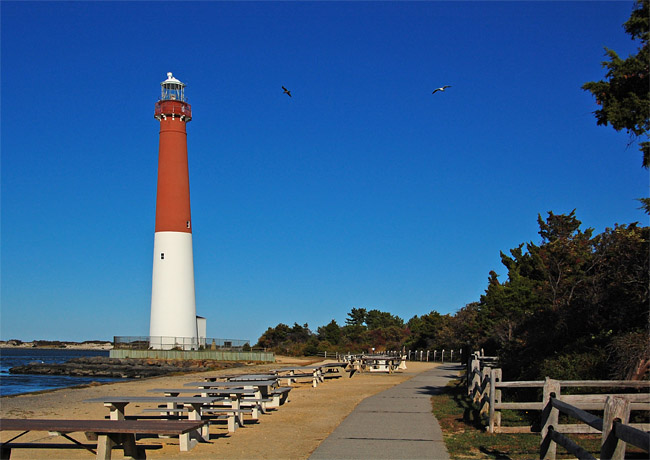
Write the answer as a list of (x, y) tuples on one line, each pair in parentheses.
[(107, 433)]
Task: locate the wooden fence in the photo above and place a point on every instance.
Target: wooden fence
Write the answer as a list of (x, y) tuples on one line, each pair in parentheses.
[(443, 356), (485, 386)]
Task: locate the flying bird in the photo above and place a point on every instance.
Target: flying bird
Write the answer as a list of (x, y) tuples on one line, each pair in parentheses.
[(441, 89), (286, 91)]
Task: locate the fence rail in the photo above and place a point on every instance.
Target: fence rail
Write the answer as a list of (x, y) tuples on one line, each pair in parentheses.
[(616, 432), (484, 386)]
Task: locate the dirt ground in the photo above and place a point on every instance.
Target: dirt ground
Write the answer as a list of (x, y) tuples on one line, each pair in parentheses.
[(291, 432)]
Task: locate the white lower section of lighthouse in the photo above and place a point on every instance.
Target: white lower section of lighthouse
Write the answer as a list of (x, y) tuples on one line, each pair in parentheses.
[(173, 304)]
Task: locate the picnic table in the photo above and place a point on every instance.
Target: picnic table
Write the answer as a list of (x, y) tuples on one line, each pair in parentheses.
[(333, 370), (381, 363), (193, 404), (228, 403), (292, 374), (265, 393), (107, 433)]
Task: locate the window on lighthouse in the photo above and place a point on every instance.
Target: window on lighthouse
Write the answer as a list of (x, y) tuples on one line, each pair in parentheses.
[(162, 255), (188, 224)]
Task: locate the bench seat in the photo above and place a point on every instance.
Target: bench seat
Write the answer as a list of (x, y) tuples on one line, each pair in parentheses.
[(280, 395), (234, 416), (107, 433)]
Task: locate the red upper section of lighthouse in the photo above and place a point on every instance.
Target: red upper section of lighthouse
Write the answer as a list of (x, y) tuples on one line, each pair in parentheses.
[(173, 194), (173, 109)]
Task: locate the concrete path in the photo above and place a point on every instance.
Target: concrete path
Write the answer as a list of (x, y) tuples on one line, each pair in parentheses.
[(394, 424)]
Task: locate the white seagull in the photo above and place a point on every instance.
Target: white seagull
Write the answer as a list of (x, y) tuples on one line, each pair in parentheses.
[(286, 91), (441, 89)]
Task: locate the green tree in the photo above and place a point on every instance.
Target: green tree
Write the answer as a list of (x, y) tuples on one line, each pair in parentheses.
[(299, 334), (285, 339), (354, 335), (330, 333), (376, 319), (618, 291), (466, 329), (274, 336), (566, 256), (356, 317), (424, 331), (624, 97)]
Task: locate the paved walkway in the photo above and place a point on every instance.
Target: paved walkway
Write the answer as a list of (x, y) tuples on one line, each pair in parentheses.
[(394, 424)]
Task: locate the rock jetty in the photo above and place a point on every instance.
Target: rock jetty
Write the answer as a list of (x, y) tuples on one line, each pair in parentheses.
[(100, 366)]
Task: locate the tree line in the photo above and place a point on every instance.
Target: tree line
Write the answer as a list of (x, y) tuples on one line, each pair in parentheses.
[(574, 306)]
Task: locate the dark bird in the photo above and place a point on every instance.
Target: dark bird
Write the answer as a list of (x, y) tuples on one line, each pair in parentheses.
[(286, 91), (441, 89)]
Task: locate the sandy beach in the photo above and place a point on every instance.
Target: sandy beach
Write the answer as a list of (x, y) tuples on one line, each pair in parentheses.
[(291, 432)]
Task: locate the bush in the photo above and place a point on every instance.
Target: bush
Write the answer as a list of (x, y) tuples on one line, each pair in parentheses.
[(575, 366)]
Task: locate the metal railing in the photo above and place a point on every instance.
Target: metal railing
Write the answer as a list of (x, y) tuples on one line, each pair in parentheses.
[(178, 343)]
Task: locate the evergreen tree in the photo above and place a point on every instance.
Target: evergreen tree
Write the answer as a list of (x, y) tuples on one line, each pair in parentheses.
[(624, 97), (356, 317)]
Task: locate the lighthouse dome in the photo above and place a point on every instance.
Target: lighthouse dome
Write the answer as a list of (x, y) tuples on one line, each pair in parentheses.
[(172, 80)]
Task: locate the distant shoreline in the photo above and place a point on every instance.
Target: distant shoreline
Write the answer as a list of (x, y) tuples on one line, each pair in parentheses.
[(57, 345)]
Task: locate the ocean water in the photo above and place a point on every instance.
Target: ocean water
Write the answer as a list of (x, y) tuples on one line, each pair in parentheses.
[(11, 384)]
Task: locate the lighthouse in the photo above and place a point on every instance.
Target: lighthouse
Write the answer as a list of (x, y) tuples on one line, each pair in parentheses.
[(173, 306)]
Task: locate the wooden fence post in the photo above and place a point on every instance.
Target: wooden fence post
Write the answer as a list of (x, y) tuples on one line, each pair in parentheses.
[(494, 418), (616, 409), (484, 396), (497, 398), (476, 377), (549, 419), (472, 374)]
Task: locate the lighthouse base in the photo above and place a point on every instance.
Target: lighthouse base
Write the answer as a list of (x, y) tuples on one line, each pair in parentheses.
[(173, 308)]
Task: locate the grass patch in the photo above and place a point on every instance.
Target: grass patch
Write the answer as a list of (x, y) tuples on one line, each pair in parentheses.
[(466, 438)]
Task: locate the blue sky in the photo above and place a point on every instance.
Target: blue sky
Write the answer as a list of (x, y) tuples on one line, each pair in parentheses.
[(362, 190)]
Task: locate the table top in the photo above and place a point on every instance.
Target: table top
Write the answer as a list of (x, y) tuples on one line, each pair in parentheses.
[(238, 378), (102, 426), (233, 384), (155, 399), (302, 368), (175, 390), (212, 391)]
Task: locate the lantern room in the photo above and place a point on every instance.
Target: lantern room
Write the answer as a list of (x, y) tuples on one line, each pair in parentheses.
[(172, 89)]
